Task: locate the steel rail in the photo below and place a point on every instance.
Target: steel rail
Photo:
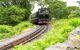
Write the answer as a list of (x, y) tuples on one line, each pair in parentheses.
[(38, 34), (23, 38)]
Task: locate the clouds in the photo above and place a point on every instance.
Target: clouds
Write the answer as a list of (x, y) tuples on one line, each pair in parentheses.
[(71, 2)]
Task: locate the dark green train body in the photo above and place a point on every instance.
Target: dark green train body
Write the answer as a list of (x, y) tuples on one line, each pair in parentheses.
[(41, 17)]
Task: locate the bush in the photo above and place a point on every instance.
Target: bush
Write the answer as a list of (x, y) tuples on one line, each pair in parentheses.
[(5, 29), (21, 26), (8, 31), (13, 15), (75, 22), (74, 14)]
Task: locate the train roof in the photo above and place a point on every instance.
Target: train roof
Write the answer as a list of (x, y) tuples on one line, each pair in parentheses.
[(42, 8)]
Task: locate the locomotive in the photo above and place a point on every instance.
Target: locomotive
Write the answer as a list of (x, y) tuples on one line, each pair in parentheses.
[(41, 17)]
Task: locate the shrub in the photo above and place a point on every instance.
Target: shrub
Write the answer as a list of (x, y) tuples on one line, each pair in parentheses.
[(21, 26), (75, 22), (13, 15), (73, 14), (6, 31)]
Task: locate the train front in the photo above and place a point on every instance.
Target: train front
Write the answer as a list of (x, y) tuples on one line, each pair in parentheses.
[(43, 16)]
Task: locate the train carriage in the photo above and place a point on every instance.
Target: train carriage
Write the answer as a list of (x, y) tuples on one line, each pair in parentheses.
[(42, 16)]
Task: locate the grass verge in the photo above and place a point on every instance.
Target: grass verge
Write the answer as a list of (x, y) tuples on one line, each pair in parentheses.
[(7, 31), (59, 33)]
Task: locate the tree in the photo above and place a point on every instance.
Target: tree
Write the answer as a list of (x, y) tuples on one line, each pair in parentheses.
[(57, 8), (12, 15), (70, 10), (18, 11)]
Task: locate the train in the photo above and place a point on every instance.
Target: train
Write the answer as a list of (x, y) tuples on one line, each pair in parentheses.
[(41, 16)]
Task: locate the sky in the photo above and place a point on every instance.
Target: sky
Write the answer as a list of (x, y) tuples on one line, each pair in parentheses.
[(69, 3)]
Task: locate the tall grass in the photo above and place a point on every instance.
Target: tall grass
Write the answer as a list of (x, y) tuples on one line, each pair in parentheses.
[(8, 31)]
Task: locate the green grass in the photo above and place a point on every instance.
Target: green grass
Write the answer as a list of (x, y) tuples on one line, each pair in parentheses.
[(59, 33), (7, 31)]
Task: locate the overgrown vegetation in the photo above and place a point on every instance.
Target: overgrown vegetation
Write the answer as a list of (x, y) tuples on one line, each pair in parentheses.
[(59, 33), (12, 14), (14, 17), (8, 31)]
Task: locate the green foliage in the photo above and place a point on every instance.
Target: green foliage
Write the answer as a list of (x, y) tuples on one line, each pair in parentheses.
[(13, 12), (59, 33), (23, 25), (5, 29), (22, 3), (13, 15), (72, 11), (75, 22), (74, 14), (57, 8), (8, 31)]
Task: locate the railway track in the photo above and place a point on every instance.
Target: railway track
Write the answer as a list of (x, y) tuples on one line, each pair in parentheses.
[(23, 38)]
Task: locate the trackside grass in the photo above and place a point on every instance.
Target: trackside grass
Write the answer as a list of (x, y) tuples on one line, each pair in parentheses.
[(59, 33), (7, 31)]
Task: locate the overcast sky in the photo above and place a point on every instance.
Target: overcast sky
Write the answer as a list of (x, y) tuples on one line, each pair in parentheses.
[(71, 2)]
